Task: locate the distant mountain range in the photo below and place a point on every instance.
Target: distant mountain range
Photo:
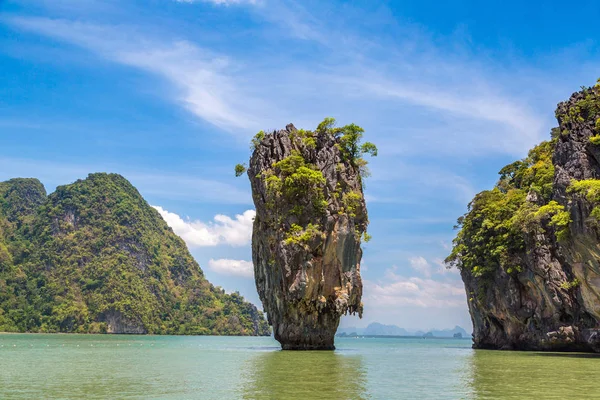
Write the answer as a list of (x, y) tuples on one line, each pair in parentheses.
[(377, 329)]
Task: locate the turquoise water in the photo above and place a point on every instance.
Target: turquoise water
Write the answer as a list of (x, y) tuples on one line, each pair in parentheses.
[(169, 367)]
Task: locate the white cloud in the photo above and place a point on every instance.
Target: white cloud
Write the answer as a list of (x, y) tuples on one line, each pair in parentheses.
[(223, 230), (424, 267), (226, 266), (399, 291), (421, 265)]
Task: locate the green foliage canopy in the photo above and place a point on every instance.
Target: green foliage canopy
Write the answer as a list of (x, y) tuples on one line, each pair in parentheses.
[(492, 233)]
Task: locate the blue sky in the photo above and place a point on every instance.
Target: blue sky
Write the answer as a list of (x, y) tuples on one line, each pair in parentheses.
[(169, 93)]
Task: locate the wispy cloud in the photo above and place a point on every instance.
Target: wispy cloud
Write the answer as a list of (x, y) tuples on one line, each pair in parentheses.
[(223, 230), (225, 266), (443, 267), (201, 78), (465, 101), (424, 267), (467, 104), (420, 265), (519, 126)]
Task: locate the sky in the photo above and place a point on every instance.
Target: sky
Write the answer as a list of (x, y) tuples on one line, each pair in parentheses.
[(169, 93)]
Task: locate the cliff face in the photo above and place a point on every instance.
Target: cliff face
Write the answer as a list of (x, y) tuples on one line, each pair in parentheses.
[(310, 217), (95, 257), (529, 250)]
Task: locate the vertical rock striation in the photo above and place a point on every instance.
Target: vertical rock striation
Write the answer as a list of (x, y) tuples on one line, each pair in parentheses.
[(310, 217), (529, 250)]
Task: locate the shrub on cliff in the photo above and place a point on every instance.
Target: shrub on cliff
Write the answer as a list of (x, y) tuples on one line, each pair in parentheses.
[(295, 181), (493, 232)]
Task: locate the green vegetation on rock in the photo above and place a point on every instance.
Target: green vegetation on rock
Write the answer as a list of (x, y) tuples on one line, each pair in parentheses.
[(296, 182), (240, 169), (588, 105), (596, 138), (570, 284), (528, 249), (585, 109), (95, 257), (257, 139), (494, 230), (302, 182), (590, 188), (351, 202), (301, 236)]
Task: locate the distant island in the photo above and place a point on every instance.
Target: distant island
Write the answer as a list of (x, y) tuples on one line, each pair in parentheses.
[(95, 257), (377, 329)]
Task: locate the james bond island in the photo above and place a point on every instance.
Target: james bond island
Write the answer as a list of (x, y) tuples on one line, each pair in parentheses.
[(311, 216), (529, 249)]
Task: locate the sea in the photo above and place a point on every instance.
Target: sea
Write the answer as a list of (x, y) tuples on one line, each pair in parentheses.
[(55, 366)]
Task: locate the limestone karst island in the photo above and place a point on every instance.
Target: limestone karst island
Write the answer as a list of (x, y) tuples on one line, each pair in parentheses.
[(529, 249), (311, 215), (299, 200)]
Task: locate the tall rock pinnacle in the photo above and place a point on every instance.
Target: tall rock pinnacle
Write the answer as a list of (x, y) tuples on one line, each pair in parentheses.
[(310, 218)]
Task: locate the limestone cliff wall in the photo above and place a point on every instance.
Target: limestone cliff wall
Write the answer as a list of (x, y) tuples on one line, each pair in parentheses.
[(547, 295)]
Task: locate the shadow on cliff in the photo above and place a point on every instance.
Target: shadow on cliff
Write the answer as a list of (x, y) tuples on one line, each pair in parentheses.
[(305, 375)]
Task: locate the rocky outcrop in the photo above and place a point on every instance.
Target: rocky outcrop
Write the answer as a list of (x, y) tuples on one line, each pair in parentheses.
[(310, 217), (544, 294), (117, 324)]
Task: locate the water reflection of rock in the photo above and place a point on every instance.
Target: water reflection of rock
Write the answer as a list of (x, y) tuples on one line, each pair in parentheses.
[(527, 375), (305, 375)]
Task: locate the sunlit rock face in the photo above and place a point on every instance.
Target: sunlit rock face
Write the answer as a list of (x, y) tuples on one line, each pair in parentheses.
[(547, 295), (310, 217)]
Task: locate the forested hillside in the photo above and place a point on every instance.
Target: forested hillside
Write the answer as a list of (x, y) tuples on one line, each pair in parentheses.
[(95, 257)]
